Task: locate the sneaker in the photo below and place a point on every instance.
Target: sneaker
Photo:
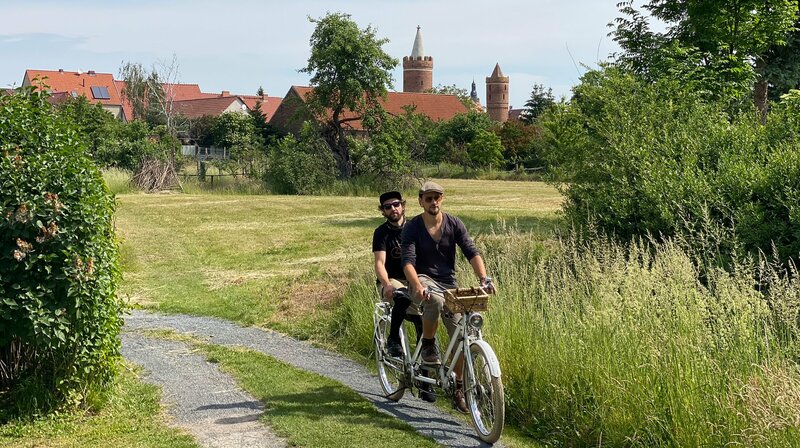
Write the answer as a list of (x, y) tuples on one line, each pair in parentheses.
[(394, 348), (459, 403), (426, 393), (430, 354)]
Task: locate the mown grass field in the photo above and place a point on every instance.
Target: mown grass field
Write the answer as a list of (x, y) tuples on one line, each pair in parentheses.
[(277, 260)]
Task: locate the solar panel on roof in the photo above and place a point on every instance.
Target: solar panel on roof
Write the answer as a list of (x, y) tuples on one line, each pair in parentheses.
[(100, 93)]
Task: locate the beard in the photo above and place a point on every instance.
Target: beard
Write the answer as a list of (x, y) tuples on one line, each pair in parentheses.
[(394, 219)]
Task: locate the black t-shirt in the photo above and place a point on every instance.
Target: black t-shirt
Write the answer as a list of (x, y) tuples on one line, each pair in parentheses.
[(387, 238)]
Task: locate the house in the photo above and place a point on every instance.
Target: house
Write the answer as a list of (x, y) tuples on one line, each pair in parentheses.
[(291, 112), (96, 87), (102, 88)]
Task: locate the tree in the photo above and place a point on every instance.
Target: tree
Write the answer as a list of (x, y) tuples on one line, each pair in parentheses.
[(540, 100), (152, 93), (731, 39), (267, 132), (395, 144), (236, 131), (91, 120), (485, 149), (453, 137), (521, 142), (349, 72)]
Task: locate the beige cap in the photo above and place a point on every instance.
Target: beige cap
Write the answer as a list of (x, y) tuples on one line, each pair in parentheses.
[(430, 186)]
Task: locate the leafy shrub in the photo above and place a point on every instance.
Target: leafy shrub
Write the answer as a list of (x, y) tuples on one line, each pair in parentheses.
[(59, 314), (302, 165), (653, 158)]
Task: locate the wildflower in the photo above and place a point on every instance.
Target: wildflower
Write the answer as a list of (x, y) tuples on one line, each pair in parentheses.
[(19, 255), (90, 266)]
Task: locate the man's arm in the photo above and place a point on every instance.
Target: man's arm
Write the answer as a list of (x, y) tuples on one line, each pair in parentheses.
[(383, 276), (480, 271), (408, 252)]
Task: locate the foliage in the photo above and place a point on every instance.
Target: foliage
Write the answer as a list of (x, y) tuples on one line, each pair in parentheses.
[(127, 145), (301, 165), (237, 132), (539, 101), (92, 121), (651, 158), (521, 143), (394, 147), (719, 45), (485, 149), (59, 314), (454, 137), (350, 73), (201, 130)]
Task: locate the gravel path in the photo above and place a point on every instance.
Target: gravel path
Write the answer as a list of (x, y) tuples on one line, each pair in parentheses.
[(202, 400), (424, 417)]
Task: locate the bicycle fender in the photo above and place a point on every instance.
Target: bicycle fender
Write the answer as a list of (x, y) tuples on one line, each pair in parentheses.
[(491, 358)]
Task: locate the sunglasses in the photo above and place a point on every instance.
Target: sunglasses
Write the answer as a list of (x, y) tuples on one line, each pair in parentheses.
[(432, 198), (391, 205)]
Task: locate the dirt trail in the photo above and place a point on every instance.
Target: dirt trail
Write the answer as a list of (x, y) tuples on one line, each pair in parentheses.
[(160, 359)]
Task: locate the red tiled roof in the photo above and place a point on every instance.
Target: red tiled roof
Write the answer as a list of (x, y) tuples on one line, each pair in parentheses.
[(435, 106), (198, 107), (78, 82), (515, 114), (269, 104)]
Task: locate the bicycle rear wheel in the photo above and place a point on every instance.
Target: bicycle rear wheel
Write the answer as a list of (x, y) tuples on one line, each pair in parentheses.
[(390, 371), (484, 395)]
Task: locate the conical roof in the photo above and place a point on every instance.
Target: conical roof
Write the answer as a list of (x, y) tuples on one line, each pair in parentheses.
[(497, 73), (419, 49)]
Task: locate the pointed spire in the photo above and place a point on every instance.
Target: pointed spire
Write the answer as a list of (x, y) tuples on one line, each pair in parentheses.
[(474, 94), (418, 50), (497, 73)]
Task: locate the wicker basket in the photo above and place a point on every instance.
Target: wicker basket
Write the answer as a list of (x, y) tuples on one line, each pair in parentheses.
[(462, 300)]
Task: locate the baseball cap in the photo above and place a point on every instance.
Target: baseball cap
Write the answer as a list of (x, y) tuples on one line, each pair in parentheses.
[(430, 186), (390, 195)]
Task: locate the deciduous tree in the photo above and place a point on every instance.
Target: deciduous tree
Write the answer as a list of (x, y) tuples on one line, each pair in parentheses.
[(349, 72)]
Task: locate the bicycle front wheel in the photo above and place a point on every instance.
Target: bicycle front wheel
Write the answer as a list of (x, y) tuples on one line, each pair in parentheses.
[(484, 395), (390, 374)]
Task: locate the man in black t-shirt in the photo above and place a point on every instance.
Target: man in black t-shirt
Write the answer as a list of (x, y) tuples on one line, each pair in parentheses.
[(389, 271)]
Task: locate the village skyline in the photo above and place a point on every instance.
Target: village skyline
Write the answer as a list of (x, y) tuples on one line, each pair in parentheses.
[(242, 46)]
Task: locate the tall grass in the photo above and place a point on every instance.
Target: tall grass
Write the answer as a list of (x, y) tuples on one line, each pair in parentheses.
[(629, 345), (118, 180)]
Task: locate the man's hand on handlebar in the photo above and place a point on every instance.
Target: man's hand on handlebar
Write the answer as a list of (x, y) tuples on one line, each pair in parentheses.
[(488, 285), (423, 294), (388, 292)]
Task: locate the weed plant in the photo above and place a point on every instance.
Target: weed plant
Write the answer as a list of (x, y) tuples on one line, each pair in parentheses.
[(632, 344)]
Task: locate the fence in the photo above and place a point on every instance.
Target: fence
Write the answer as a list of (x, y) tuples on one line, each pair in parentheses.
[(205, 152)]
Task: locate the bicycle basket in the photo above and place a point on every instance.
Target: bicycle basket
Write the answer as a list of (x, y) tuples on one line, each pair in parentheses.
[(466, 299)]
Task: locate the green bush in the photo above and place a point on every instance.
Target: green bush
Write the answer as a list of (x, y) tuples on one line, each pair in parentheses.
[(59, 314), (302, 165), (653, 158)]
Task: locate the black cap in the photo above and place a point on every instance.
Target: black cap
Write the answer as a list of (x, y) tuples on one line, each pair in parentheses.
[(390, 195)]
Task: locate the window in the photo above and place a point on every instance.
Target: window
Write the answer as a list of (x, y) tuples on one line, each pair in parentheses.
[(100, 93)]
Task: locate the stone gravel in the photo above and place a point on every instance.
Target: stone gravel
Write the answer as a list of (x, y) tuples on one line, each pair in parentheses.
[(427, 419)]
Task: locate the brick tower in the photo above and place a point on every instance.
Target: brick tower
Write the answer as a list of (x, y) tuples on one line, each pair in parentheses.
[(497, 95), (417, 68)]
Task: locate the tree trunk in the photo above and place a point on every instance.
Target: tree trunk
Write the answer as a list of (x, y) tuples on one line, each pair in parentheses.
[(760, 91), (337, 140)]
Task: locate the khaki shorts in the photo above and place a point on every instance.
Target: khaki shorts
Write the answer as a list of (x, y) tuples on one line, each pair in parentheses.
[(413, 309), (435, 307)]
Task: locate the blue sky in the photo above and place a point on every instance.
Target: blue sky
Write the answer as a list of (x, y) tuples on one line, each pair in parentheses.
[(241, 45)]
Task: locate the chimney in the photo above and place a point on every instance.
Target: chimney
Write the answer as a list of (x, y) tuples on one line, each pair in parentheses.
[(90, 72), (226, 93), (61, 70)]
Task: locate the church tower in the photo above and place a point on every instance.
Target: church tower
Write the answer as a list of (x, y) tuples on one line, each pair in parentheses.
[(497, 95), (417, 68)]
